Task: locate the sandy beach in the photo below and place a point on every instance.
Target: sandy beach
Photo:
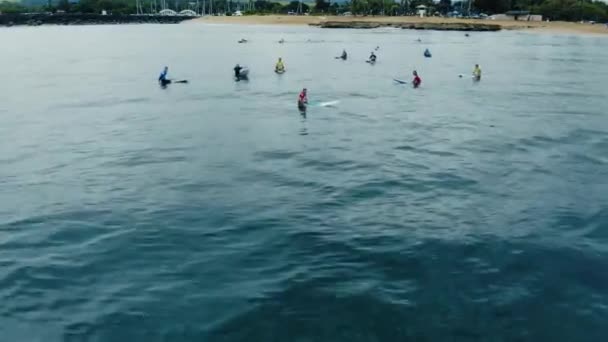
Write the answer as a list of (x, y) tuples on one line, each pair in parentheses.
[(552, 27)]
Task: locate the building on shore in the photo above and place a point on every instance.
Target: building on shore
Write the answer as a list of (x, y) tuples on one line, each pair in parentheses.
[(518, 16), (421, 11)]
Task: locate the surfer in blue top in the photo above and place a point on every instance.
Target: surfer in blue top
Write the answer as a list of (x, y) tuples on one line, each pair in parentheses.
[(162, 79)]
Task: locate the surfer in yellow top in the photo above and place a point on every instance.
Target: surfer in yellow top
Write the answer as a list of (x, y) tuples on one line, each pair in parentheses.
[(279, 68), (477, 73)]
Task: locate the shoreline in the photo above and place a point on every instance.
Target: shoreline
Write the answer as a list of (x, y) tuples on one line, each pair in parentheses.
[(416, 23), (37, 19)]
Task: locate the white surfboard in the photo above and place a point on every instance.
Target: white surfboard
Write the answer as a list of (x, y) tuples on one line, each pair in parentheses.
[(328, 103)]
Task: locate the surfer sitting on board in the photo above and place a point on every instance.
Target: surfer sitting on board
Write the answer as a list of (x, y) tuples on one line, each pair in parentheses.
[(237, 71), (417, 80), (372, 58), (280, 67), (477, 73), (344, 55), (162, 79), (302, 99)]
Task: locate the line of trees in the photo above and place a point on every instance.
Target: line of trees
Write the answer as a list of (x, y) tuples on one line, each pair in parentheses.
[(12, 7), (82, 6), (568, 10), (148, 6)]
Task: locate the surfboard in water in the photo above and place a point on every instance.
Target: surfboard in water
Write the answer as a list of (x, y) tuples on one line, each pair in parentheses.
[(324, 103), (399, 81)]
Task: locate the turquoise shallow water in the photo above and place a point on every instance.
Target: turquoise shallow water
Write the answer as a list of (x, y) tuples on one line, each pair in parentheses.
[(214, 211)]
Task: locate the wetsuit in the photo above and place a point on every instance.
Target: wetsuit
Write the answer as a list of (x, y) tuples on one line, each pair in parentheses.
[(237, 71), (162, 79)]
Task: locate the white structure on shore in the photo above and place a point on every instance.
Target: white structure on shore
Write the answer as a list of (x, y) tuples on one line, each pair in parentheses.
[(181, 7), (421, 10), (167, 12), (518, 16)]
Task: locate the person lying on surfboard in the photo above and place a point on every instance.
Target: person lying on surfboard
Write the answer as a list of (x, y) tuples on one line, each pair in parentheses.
[(417, 80), (302, 99)]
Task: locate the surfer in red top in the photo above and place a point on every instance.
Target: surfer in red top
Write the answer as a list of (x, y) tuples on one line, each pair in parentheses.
[(302, 99), (417, 80)]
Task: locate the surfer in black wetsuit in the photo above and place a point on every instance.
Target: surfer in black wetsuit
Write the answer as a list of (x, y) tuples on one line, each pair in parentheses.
[(372, 58), (237, 71)]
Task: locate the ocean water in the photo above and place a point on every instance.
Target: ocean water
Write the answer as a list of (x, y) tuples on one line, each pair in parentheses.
[(216, 211)]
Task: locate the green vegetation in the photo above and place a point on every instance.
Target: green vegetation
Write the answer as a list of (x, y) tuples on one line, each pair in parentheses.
[(96, 6), (12, 7), (568, 10)]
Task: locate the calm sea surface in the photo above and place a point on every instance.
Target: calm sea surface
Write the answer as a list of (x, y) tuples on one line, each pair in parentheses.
[(215, 211)]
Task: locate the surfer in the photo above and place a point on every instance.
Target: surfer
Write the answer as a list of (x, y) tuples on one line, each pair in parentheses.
[(237, 71), (302, 99), (372, 58), (279, 68), (417, 80), (162, 79), (344, 55), (427, 53), (477, 73)]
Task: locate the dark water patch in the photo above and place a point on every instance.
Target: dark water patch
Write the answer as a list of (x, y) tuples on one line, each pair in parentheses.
[(576, 226), (421, 150), (277, 179), (451, 181), (335, 165), (361, 95), (274, 155), (406, 148), (144, 157), (589, 159), (367, 190)]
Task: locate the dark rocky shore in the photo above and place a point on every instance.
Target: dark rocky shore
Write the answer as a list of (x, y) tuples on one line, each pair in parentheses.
[(86, 19), (411, 26)]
